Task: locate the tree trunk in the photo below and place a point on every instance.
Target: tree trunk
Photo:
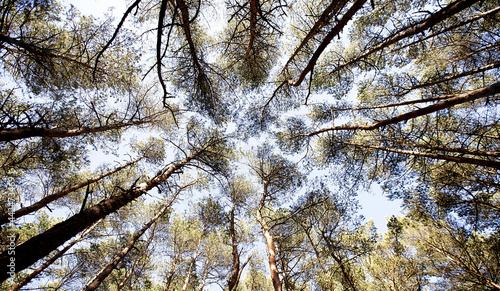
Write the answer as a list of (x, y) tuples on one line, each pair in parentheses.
[(447, 103), (99, 278), (421, 26), (269, 242), (48, 199), (191, 265), (328, 38), (235, 270), (53, 259), (172, 271), (27, 132), (323, 20), (41, 245), (460, 160)]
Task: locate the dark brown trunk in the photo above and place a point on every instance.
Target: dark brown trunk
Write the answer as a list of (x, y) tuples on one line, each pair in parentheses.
[(99, 278), (328, 38), (53, 259), (235, 270), (447, 103), (27, 132), (323, 20), (48, 199), (41, 245)]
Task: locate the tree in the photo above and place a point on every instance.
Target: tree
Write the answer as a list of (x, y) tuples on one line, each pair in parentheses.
[(324, 98)]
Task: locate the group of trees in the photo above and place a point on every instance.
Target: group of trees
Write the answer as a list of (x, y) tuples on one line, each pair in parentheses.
[(238, 136)]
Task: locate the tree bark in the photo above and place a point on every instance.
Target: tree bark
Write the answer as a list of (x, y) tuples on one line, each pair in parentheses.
[(460, 160), (269, 242), (41, 245), (48, 199), (53, 259), (191, 265), (447, 103), (235, 270), (99, 278), (27, 132), (421, 26), (322, 21), (328, 38)]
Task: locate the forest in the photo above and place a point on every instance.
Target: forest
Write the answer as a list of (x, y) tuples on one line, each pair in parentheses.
[(223, 145)]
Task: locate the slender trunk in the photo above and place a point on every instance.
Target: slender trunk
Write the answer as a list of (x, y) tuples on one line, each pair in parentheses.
[(318, 257), (460, 160), (172, 271), (254, 10), (48, 199), (99, 278), (235, 270), (41, 245), (328, 38), (136, 262), (419, 27), (269, 242), (447, 149), (339, 261), (205, 274), (447, 103), (323, 20), (191, 265), (27, 132), (475, 18), (53, 259)]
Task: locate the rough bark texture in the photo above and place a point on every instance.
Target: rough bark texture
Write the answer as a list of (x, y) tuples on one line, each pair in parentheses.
[(48, 199), (27, 132), (271, 253), (99, 278), (53, 259), (41, 245), (447, 103)]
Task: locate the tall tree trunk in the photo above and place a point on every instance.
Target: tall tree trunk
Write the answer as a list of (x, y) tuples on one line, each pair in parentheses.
[(136, 262), (27, 132), (50, 198), (172, 271), (460, 160), (328, 38), (325, 18), (191, 265), (269, 242), (99, 278), (235, 270), (447, 103), (53, 259), (419, 27), (41, 245), (205, 274)]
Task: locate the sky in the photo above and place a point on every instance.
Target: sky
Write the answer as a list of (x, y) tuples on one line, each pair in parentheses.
[(374, 205)]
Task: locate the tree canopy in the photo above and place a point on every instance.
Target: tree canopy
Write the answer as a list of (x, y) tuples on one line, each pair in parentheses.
[(222, 145)]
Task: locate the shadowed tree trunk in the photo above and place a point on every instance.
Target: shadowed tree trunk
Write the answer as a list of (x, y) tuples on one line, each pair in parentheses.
[(41, 245), (48, 199), (99, 278)]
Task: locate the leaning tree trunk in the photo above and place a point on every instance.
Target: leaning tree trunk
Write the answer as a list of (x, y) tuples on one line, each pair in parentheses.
[(235, 270), (191, 265), (99, 278), (50, 198), (41, 245), (27, 132), (53, 259)]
